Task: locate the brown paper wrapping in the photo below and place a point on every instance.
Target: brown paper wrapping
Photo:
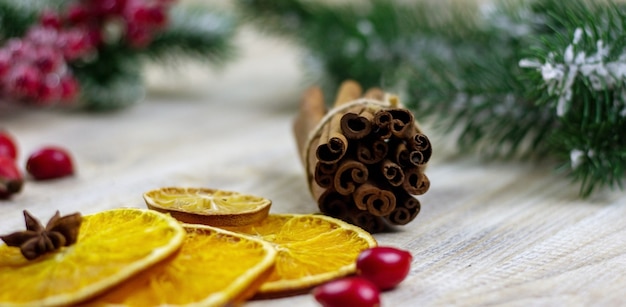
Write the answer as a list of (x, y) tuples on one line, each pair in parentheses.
[(364, 157)]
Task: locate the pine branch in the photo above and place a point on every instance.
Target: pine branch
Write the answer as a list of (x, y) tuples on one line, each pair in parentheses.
[(16, 17), (119, 91), (483, 74), (338, 37), (386, 45), (471, 82), (582, 68), (115, 80), (196, 33), (112, 80)]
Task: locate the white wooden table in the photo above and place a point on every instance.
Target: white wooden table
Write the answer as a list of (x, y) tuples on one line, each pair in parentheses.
[(488, 234)]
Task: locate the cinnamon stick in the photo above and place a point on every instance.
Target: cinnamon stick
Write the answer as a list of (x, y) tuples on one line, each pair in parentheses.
[(364, 158), (401, 123), (334, 204), (415, 182), (325, 174), (376, 201), (312, 110), (333, 144), (370, 152), (349, 175), (407, 210), (374, 93), (367, 221), (349, 90), (422, 149), (392, 172), (402, 155), (382, 120), (356, 126)]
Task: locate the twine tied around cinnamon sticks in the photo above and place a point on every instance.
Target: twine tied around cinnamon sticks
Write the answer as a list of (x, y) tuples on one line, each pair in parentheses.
[(364, 158)]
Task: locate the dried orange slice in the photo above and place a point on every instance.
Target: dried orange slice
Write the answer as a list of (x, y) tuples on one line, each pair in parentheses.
[(112, 246), (212, 207), (312, 249), (214, 267)]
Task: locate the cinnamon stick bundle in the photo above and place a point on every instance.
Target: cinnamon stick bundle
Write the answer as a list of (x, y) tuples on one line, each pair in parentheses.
[(364, 157)]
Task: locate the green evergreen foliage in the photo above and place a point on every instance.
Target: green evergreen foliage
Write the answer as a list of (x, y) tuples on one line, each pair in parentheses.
[(114, 79), (15, 18), (196, 32), (533, 78)]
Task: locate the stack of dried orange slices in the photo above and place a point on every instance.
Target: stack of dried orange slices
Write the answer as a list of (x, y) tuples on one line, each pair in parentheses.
[(143, 257), (311, 249)]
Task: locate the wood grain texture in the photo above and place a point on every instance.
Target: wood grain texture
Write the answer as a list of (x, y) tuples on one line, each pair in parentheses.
[(488, 234)]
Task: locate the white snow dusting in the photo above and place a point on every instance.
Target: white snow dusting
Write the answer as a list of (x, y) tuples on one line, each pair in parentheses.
[(559, 77)]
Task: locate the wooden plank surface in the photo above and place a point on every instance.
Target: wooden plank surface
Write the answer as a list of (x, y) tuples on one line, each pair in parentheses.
[(488, 234)]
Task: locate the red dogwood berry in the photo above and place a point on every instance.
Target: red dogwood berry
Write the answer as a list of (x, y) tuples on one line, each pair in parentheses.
[(50, 162), (385, 266), (349, 291), (8, 147)]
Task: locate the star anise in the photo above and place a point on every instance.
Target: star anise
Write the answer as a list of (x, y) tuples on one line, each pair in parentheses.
[(37, 240)]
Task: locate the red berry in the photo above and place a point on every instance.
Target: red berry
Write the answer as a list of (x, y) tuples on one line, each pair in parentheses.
[(138, 14), (94, 36), (108, 7), (11, 180), (75, 43), (50, 90), (157, 16), (78, 13), (69, 88), (138, 36), (50, 19), (42, 36), (384, 266), (49, 163), (8, 147), (350, 291), (48, 59), (5, 62), (24, 81), (14, 47), (21, 50)]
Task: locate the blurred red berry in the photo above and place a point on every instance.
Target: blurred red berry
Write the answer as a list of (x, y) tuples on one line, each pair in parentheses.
[(48, 60), (157, 16), (8, 147), (50, 90), (109, 7), (78, 13), (42, 36), (50, 19), (350, 291), (94, 36), (5, 62), (137, 36), (11, 179), (74, 43), (20, 50), (69, 88), (138, 14), (49, 163), (24, 81)]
